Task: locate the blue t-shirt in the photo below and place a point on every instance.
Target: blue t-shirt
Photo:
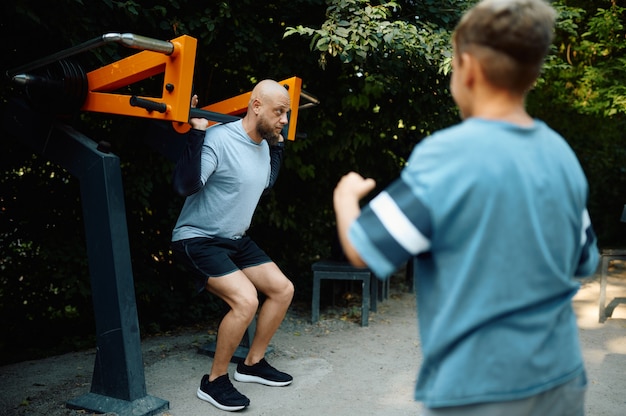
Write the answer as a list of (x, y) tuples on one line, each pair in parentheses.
[(496, 214), (234, 170)]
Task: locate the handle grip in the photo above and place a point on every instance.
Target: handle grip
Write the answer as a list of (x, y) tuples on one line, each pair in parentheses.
[(148, 104)]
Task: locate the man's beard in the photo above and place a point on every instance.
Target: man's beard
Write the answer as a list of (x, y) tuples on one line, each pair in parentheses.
[(267, 132)]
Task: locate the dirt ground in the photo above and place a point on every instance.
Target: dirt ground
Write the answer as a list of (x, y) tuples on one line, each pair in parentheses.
[(339, 367)]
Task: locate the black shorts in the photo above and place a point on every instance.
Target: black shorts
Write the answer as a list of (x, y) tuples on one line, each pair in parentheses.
[(214, 257)]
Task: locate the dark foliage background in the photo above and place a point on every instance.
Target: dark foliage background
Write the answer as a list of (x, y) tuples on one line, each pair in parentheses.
[(379, 97)]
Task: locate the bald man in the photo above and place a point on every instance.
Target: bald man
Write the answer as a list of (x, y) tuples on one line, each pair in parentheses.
[(223, 172)]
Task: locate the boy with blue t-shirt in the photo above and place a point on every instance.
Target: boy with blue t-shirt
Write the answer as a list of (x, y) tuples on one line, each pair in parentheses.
[(494, 208)]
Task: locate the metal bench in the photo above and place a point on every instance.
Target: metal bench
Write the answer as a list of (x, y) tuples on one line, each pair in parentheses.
[(607, 255), (342, 270)]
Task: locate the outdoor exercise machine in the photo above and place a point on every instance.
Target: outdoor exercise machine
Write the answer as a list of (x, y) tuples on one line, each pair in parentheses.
[(55, 87)]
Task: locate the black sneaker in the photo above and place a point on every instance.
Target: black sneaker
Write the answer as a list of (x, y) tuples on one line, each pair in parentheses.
[(222, 394), (262, 373)]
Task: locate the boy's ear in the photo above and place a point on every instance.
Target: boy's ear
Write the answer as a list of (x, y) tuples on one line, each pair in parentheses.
[(470, 69)]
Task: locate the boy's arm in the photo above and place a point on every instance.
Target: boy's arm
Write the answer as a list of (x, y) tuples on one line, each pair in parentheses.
[(348, 192)]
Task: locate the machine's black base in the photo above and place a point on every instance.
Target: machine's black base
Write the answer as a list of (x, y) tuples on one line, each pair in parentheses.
[(145, 406)]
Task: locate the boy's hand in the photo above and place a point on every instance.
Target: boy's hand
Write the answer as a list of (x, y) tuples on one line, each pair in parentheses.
[(353, 185)]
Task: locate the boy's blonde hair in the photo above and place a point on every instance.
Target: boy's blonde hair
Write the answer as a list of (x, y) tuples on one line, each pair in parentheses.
[(510, 39)]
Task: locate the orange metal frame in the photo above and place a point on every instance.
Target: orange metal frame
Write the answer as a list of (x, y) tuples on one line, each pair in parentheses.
[(178, 69), (178, 73)]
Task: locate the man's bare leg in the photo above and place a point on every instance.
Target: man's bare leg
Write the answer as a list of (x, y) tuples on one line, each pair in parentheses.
[(278, 289), (239, 293)]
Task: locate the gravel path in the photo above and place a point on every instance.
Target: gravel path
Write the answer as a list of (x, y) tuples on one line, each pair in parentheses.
[(339, 367)]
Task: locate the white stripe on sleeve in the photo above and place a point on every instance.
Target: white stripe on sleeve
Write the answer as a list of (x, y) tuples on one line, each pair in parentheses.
[(586, 224), (398, 225)]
